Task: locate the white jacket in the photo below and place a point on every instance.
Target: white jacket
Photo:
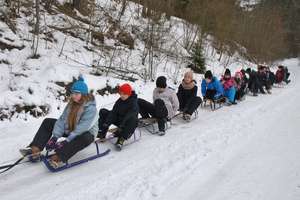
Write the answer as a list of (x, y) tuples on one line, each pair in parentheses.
[(170, 99)]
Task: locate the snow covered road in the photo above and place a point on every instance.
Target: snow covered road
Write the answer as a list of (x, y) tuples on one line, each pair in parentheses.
[(246, 152)]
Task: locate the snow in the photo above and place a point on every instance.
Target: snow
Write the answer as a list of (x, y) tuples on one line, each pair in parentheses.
[(249, 151)]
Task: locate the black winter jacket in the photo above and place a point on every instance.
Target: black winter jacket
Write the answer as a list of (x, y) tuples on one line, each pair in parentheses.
[(123, 110)]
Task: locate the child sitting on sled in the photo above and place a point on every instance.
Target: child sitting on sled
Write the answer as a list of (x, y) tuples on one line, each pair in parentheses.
[(229, 87), (187, 96), (164, 107), (124, 115), (78, 124), (211, 87)]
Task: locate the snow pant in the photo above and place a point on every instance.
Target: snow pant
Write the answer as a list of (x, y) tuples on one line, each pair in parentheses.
[(272, 79), (126, 132), (69, 149), (212, 95), (189, 106), (253, 84), (240, 92), (264, 84), (157, 110), (230, 94)]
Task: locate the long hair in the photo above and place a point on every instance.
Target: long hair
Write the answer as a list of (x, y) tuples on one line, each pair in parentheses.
[(75, 108)]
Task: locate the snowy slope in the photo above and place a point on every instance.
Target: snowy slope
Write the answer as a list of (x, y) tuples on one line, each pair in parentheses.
[(33, 82), (245, 152)]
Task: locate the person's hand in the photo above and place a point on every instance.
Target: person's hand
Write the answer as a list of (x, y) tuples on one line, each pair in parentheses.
[(60, 145), (51, 144)]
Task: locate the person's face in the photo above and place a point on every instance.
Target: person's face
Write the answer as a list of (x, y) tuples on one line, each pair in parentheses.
[(226, 77), (187, 79), (123, 96), (76, 97), (208, 80), (161, 90)]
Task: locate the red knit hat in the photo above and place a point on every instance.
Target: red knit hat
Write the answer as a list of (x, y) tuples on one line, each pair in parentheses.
[(125, 89)]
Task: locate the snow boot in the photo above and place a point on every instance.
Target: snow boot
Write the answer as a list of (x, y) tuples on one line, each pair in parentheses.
[(161, 133), (119, 143), (33, 157)]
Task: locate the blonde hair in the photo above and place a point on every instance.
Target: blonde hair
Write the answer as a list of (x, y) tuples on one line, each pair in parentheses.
[(190, 74), (74, 110)]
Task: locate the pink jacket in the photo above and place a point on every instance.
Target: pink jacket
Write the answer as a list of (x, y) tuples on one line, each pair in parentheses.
[(228, 84)]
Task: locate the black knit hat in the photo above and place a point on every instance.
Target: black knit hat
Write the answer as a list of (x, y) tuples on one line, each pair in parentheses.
[(227, 72), (161, 82), (208, 75)]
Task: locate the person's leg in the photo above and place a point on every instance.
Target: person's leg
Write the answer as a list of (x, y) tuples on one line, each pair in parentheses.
[(146, 108), (210, 94), (43, 134), (103, 114), (231, 94), (183, 104), (161, 113), (74, 146), (130, 126), (238, 95), (192, 105)]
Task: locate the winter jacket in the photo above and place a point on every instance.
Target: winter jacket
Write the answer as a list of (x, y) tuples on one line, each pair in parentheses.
[(227, 84), (262, 77), (213, 85), (123, 110), (87, 122), (186, 92), (279, 76), (170, 99)]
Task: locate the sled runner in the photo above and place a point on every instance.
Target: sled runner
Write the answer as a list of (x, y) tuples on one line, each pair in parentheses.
[(67, 165), (214, 103)]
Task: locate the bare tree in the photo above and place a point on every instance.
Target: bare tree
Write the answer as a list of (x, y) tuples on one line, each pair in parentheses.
[(36, 31)]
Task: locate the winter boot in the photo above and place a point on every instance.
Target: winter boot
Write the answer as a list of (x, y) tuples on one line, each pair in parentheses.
[(187, 117), (161, 133), (119, 143), (33, 153), (55, 161)]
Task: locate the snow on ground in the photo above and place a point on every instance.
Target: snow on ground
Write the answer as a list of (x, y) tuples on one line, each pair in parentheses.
[(244, 152)]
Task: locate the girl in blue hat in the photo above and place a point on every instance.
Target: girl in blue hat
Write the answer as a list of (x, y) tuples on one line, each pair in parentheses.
[(78, 124)]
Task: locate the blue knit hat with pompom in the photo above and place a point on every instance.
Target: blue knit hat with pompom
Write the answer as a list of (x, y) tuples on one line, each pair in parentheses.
[(80, 87)]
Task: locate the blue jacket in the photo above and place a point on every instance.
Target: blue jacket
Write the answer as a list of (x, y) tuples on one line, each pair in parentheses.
[(88, 122), (215, 84)]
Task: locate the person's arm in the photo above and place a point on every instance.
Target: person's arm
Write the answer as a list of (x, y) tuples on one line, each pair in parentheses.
[(175, 102), (195, 90), (203, 88), (219, 88), (179, 93), (154, 95), (86, 122), (59, 127)]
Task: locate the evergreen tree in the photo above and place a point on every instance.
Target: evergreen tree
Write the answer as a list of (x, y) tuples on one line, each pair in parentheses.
[(198, 59)]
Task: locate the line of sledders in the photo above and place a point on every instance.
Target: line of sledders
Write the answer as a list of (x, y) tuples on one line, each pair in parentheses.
[(80, 123)]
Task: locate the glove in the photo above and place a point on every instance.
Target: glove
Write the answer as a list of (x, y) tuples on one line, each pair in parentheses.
[(51, 144), (60, 145)]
